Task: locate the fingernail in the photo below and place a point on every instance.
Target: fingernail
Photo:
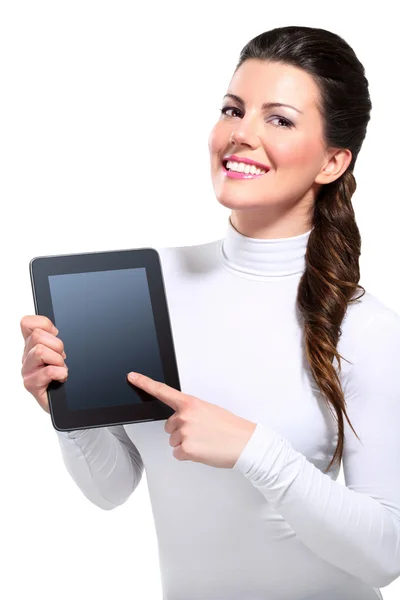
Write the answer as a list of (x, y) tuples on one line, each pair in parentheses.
[(132, 375), (56, 330)]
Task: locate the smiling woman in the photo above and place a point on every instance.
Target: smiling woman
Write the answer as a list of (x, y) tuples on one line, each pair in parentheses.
[(291, 372)]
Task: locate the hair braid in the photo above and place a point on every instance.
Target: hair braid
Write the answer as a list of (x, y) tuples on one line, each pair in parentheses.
[(327, 286)]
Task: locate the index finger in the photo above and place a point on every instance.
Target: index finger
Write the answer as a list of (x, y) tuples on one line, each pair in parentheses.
[(31, 322), (172, 397)]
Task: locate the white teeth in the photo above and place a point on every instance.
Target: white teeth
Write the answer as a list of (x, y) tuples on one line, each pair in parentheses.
[(244, 168)]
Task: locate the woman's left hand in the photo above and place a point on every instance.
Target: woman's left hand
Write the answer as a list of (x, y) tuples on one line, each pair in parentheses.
[(199, 431)]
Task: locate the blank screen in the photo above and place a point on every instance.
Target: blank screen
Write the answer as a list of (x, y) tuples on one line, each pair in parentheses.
[(106, 322)]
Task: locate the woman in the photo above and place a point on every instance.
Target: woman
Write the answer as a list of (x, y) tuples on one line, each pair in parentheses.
[(244, 497)]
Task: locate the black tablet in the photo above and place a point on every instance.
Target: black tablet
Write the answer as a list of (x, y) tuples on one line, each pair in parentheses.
[(111, 312)]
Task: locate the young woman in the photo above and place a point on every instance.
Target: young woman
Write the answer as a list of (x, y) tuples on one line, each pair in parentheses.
[(289, 371)]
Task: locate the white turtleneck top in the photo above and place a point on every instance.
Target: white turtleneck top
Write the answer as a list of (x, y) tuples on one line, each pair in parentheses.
[(274, 526)]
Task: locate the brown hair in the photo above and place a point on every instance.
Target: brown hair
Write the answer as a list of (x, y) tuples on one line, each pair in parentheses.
[(332, 271)]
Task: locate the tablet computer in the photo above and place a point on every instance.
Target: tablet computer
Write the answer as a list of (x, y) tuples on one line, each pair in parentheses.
[(112, 315)]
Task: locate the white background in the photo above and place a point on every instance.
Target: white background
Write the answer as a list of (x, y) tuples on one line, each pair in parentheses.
[(105, 112)]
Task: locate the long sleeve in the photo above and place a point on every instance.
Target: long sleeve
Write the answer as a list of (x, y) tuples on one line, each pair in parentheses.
[(355, 527), (103, 462)]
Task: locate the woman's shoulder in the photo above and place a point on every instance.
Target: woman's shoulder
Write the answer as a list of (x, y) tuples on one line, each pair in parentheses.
[(369, 309), (370, 325)]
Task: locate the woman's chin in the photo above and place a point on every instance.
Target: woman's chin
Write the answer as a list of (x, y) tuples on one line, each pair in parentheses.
[(239, 201)]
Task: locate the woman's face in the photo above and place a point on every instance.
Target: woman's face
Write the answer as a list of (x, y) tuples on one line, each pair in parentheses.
[(289, 142)]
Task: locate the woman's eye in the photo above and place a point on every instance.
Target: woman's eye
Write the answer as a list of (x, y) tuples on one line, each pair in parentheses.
[(226, 108), (287, 123)]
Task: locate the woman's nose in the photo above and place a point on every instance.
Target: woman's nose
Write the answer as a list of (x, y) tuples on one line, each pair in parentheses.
[(245, 133)]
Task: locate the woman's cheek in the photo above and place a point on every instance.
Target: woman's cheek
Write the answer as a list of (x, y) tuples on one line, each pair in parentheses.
[(214, 139), (295, 155)]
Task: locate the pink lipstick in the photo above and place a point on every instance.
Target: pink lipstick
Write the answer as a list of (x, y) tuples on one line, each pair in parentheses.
[(236, 175), (247, 161)]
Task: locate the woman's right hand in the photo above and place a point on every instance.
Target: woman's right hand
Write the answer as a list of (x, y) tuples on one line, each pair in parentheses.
[(43, 357)]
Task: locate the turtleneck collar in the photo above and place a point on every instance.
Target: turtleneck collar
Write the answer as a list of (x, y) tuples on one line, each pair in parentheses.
[(263, 257)]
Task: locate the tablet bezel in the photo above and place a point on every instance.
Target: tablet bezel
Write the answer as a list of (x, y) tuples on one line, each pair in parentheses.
[(151, 409)]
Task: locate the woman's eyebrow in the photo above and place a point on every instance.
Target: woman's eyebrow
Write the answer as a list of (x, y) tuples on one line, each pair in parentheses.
[(265, 105)]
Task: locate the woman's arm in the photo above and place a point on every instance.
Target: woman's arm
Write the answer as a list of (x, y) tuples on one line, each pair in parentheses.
[(356, 528), (103, 462)]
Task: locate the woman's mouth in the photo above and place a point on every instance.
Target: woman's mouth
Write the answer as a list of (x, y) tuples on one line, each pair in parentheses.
[(235, 170)]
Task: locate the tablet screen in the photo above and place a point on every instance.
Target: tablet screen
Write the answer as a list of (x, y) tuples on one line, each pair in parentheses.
[(108, 329)]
